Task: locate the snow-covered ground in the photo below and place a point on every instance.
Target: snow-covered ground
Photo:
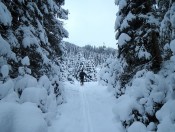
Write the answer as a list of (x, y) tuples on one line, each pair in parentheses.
[(89, 108)]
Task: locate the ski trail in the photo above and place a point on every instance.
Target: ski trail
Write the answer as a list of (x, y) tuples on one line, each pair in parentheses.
[(88, 109), (86, 115)]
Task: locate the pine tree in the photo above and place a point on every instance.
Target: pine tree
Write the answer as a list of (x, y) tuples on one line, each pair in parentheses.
[(137, 34)]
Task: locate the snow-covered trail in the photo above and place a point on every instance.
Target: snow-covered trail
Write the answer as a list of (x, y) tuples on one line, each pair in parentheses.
[(88, 109)]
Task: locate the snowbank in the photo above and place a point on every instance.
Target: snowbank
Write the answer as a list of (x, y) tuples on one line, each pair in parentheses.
[(21, 118), (35, 95), (166, 116), (24, 82), (137, 127)]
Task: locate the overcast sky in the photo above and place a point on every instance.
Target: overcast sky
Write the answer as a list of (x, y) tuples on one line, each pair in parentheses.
[(91, 22)]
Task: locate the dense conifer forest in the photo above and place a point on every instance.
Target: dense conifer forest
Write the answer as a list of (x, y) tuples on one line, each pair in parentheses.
[(127, 89)]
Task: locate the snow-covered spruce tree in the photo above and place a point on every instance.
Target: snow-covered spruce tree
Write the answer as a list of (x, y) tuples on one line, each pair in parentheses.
[(7, 37), (104, 74), (90, 70), (110, 73), (79, 65), (167, 32), (148, 97), (24, 27), (137, 35), (70, 69), (39, 33), (33, 24), (30, 35)]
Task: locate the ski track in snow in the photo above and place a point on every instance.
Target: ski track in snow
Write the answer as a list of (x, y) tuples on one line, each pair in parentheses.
[(88, 109), (85, 106)]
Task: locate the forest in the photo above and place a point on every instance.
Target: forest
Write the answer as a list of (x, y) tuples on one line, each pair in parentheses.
[(133, 85)]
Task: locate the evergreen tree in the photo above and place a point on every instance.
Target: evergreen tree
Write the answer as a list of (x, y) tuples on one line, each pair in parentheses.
[(137, 34), (79, 65), (34, 24), (30, 36), (90, 70), (167, 32)]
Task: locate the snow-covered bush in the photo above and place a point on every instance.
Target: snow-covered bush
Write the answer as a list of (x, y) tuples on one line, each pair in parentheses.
[(46, 83), (23, 82), (6, 85), (58, 88), (166, 117), (35, 95), (137, 127), (6, 88), (5, 71), (147, 100), (24, 117), (106, 71), (110, 73)]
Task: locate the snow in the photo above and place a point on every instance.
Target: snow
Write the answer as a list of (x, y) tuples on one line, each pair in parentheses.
[(45, 82), (6, 88), (137, 127), (42, 33), (5, 49), (25, 61), (21, 118), (142, 95), (89, 108), (11, 97), (172, 46), (123, 39), (127, 105), (25, 82), (166, 116), (27, 105), (34, 8), (117, 22), (142, 53), (127, 19), (12, 39), (121, 3), (172, 16), (51, 106), (29, 39), (5, 71), (35, 95), (5, 15), (24, 70), (151, 19), (151, 126)]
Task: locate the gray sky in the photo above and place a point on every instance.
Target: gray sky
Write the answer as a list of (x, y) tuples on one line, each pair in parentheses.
[(91, 22)]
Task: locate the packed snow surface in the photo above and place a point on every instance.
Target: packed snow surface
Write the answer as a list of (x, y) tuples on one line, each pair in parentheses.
[(89, 108)]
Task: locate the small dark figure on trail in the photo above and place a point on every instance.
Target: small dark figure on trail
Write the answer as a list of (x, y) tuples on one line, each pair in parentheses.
[(82, 75)]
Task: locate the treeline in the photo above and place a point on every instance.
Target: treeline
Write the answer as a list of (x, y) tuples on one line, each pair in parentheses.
[(98, 54), (88, 58)]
